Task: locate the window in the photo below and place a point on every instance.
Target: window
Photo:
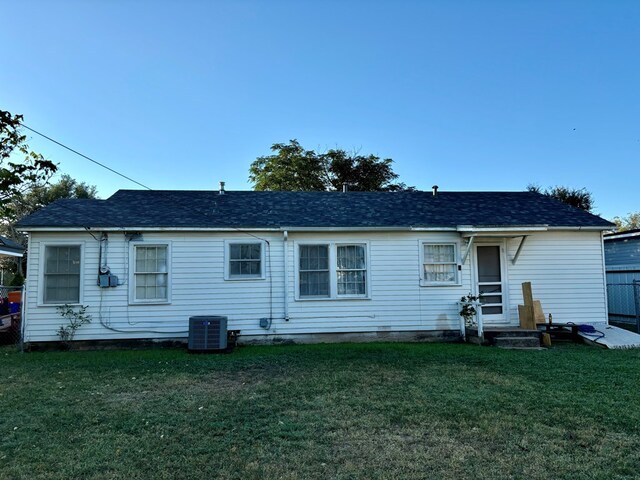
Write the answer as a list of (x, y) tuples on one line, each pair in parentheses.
[(61, 274), (332, 271), (245, 260), (351, 270), (151, 273), (314, 270), (439, 264)]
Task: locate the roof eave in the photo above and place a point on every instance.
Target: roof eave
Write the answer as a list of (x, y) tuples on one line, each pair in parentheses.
[(465, 229)]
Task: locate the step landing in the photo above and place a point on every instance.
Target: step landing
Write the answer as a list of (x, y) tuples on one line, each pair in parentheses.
[(506, 337)]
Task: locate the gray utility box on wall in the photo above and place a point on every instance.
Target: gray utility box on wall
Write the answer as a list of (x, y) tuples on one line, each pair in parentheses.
[(207, 333)]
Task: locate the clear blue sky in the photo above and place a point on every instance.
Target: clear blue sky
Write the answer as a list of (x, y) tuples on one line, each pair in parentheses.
[(469, 95)]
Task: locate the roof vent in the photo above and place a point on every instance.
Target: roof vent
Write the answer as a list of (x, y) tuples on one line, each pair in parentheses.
[(221, 188), (345, 187), (435, 190)]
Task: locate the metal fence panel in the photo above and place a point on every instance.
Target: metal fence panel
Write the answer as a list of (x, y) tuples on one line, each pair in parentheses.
[(624, 297)]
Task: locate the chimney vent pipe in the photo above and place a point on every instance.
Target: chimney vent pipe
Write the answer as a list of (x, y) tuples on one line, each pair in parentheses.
[(435, 190), (221, 188)]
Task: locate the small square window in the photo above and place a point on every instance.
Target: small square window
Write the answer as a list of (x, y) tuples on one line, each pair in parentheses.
[(244, 261), (439, 264)]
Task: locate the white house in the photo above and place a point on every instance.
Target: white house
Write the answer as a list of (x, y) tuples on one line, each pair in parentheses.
[(308, 265)]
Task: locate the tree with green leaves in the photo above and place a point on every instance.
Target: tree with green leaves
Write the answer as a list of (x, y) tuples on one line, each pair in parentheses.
[(291, 167), (40, 195), (21, 169), (576, 197), (630, 222)]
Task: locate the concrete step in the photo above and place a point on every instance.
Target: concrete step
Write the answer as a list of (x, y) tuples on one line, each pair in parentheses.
[(526, 349), (522, 341), (520, 332)]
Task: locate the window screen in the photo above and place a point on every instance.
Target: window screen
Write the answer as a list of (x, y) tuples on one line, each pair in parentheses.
[(314, 270), (351, 270), (151, 273), (62, 274)]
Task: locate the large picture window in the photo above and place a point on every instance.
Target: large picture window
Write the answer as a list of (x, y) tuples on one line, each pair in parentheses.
[(439, 264), (61, 274), (151, 273), (332, 271)]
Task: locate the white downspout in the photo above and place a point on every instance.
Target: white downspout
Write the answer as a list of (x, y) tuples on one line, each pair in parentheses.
[(604, 279), (285, 246), (23, 307)]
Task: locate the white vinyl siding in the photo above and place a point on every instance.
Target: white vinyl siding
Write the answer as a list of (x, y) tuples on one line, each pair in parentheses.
[(566, 274), (439, 264), (151, 273), (61, 274), (565, 269)]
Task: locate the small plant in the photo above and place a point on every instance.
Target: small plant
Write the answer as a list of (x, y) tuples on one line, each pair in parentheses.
[(468, 310), (76, 320)]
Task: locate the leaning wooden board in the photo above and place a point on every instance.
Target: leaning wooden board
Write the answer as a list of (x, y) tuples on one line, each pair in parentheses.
[(525, 315)]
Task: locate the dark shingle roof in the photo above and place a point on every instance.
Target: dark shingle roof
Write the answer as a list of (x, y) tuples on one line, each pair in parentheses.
[(8, 245), (249, 209)]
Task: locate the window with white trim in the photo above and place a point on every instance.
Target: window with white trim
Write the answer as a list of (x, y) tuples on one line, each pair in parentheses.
[(439, 264), (151, 273), (61, 272), (330, 270), (245, 260), (351, 269), (313, 271)]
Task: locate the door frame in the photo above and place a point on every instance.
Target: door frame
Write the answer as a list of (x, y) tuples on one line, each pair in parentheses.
[(502, 243)]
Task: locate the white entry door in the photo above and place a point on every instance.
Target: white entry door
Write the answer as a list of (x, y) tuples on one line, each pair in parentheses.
[(491, 283)]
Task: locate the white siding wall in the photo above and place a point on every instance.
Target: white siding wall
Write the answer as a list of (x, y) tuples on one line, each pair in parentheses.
[(566, 274), (565, 269)]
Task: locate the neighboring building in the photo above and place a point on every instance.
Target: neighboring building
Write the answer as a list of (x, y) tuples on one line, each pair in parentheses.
[(622, 259), (374, 264), (10, 248)]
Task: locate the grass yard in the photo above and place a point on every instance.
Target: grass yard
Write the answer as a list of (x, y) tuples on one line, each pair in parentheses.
[(343, 411)]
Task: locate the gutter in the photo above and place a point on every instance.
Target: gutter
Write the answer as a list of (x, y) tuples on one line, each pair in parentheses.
[(11, 253), (145, 229), (620, 236), (459, 228), (587, 228)]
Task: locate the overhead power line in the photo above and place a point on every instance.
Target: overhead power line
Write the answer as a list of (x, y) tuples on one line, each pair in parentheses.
[(85, 156)]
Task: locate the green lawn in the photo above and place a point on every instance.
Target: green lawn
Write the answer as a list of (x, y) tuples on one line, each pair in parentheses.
[(322, 411)]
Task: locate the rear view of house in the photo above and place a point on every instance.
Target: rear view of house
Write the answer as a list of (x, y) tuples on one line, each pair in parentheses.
[(308, 266)]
